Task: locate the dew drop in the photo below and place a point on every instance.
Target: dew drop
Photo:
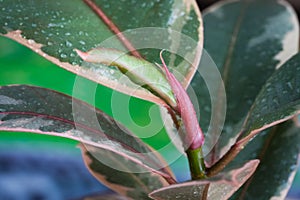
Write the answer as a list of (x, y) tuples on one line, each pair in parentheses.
[(49, 43), (207, 108), (269, 89), (289, 84), (69, 44), (111, 71), (34, 25), (67, 34), (82, 42), (63, 55)]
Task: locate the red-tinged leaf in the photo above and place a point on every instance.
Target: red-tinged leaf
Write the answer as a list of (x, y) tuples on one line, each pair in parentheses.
[(278, 150), (43, 111), (55, 28), (239, 36), (221, 187), (193, 138), (278, 101)]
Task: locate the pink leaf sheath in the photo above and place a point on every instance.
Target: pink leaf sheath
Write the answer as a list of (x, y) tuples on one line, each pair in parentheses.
[(194, 138)]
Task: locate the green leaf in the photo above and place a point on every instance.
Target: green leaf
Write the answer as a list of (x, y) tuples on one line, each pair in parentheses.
[(43, 111), (138, 70), (221, 187), (55, 28), (247, 40), (278, 149), (278, 101)]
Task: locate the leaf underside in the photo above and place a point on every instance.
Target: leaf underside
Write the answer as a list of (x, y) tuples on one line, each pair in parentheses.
[(221, 187), (130, 185)]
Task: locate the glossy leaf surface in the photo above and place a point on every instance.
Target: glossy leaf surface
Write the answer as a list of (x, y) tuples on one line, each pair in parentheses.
[(239, 36), (278, 149), (221, 186), (43, 111), (278, 100), (55, 28)]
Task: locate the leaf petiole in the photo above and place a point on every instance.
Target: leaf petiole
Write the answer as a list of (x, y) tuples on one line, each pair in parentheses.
[(196, 162)]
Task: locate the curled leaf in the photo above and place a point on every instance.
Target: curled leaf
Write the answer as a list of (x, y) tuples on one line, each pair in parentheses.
[(194, 136), (138, 70)]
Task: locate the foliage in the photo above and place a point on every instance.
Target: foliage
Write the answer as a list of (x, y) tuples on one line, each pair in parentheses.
[(254, 45)]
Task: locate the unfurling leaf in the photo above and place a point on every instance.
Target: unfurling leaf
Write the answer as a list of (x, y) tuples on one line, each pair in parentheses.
[(138, 70), (193, 138)]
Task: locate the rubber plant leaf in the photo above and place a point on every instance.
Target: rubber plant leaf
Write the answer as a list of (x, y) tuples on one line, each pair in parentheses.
[(221, 186), (240, 39), (277, 148), (55, 28), (33, 109)]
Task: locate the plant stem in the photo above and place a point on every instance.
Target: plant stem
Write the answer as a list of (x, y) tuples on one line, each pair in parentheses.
[(196, 162)]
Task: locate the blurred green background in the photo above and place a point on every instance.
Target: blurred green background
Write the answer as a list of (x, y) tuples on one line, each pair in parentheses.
[(19, 65)]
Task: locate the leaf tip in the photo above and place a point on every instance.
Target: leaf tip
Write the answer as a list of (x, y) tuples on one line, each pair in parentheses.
[(82, 55)]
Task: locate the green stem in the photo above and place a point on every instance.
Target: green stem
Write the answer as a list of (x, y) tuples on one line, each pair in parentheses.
[(196, 162)]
